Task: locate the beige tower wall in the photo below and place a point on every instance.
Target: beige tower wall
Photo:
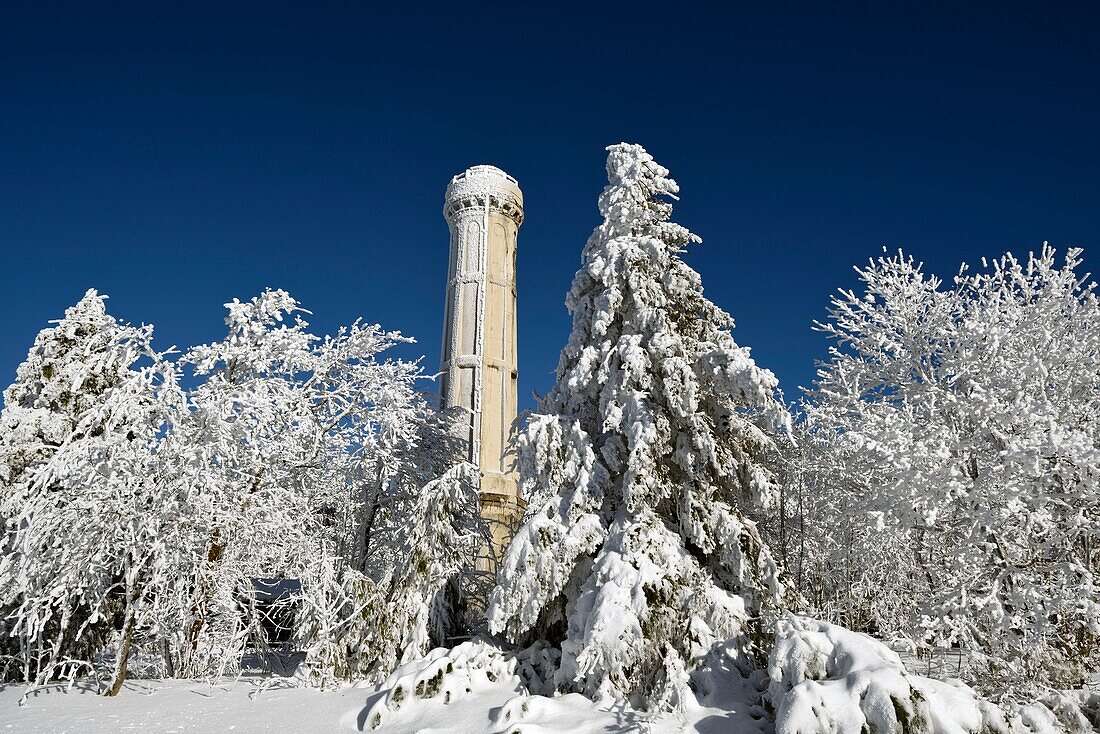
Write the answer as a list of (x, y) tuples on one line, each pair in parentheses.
[(484, 210)]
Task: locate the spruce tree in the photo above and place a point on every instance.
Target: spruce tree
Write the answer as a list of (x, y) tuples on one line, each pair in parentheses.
[(641, 467), (67, 376), (67, 372)]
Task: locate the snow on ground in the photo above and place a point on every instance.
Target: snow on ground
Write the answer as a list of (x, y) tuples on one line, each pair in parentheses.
[(824, 678), (176, 706), (242, 707), (475, 687)]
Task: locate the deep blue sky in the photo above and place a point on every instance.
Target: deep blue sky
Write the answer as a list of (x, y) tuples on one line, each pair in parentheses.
[(177, 158)]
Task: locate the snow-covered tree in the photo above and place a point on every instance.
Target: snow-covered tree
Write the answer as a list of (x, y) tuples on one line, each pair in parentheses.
[(642, 466), (142, 514), (252, 444), (70, 368), (966, 417), (67, 377), (312, 457), (94, 536), (446, 533), (837, 565), (355, 626)]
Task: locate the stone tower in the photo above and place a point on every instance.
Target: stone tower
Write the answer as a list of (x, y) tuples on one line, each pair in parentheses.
[(484, 209)]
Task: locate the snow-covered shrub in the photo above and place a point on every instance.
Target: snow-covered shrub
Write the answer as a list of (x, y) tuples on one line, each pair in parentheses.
[(825, 679), (353, 627), (958, 428), (637, 554), (450, 674), (1076, 712), (446, 533), (829, 679), (338, 613)]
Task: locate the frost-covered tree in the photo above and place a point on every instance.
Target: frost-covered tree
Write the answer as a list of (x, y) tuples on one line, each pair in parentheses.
[(256, 448), (95, 536), (67, 376), (311, 457), (642, 465), (68, 371), (837, 564), (966, 417)]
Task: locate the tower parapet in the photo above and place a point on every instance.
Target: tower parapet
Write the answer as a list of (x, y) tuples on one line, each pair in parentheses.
[(469, 189), (483, 207)]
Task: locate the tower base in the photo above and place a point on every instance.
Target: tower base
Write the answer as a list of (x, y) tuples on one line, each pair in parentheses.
[(503, 514)]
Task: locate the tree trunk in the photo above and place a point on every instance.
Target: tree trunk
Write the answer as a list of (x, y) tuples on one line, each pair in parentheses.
[(169, 663), (123, 652), (199, 607)]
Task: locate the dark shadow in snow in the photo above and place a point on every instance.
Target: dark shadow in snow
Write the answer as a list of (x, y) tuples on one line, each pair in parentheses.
[(724, 682), (733, 722), (52, 688), (361, 718)]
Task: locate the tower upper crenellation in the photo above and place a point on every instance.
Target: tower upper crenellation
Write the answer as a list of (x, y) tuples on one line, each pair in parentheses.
[(476, 184)]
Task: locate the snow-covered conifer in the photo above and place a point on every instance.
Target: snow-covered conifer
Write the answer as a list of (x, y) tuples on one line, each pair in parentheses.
[(637, 554), (66, 378), (68, 371)]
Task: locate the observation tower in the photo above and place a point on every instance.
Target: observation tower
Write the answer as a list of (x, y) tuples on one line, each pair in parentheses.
[(483, 207)]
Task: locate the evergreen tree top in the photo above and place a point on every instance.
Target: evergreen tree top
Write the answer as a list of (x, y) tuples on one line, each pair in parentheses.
[(80, 357)]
